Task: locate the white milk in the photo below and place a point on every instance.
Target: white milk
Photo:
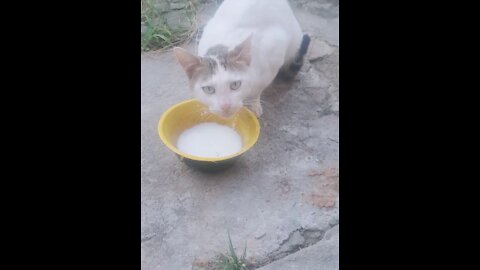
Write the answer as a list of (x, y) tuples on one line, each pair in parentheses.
[(209, 140)]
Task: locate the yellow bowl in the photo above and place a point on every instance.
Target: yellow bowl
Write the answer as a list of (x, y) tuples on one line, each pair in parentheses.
[(186, 114)]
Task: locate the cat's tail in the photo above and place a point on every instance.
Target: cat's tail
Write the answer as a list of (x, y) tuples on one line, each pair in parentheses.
[(303, 48), (289, 71)]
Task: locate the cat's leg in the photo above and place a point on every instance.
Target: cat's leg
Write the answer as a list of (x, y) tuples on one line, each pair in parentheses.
[(253, 101), (273, 49), (255, 106)]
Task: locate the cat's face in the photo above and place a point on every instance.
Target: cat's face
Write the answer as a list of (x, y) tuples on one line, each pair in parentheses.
[(219, 79), (223, 92)]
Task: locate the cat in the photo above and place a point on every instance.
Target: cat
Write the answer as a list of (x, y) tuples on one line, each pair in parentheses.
[(243, 48)]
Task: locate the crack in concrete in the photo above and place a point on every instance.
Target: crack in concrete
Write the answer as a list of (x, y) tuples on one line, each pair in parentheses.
[(333, 140), (148, 237), (297, 240)]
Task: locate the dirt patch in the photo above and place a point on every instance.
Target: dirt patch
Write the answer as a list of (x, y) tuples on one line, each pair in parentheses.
[(283, 187), (324, 188)]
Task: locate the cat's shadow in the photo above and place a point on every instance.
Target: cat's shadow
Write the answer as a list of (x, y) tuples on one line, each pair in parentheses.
[(274, 94), (227, 174)]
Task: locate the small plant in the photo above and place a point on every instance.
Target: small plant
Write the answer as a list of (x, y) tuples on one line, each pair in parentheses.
[(232, 261), (157, 33)]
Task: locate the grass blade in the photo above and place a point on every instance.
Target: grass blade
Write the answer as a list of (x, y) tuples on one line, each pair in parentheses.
[(232, 251), (244, 255), (162, 37)]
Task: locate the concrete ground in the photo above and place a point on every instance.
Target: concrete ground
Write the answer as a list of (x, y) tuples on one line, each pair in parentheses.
[(280, 198)]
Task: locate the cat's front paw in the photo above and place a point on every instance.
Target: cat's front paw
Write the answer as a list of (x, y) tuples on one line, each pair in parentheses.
[(257, 109)]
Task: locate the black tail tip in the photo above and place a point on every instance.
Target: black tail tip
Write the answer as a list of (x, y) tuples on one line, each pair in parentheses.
[(305, 44)]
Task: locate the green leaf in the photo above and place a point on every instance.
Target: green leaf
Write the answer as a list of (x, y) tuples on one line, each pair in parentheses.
[(166, 30), (244, 255), (162, 37), (232, 251)]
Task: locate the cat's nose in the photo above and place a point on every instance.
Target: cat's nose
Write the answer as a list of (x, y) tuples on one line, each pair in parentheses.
[(225, 107)]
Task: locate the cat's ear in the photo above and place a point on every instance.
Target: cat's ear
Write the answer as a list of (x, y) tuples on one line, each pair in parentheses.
[(242, 53), (188, 61)]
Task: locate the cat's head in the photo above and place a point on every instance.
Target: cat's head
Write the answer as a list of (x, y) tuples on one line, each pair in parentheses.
[(219, 79)]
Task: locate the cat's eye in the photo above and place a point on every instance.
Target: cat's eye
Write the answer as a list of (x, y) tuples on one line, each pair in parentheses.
[(235, 85), (208, 90)]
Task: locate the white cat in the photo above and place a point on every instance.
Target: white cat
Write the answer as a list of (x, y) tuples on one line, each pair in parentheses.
[(242, 49)]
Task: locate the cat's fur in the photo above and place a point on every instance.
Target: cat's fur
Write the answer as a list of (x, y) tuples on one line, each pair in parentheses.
[(243, 48)]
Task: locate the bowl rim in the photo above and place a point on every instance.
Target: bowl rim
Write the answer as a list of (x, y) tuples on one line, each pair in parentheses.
[(197, 158)]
